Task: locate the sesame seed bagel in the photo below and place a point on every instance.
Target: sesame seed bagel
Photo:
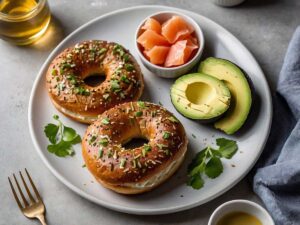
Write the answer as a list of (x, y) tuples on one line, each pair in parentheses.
[(133, 171), (66, 76)]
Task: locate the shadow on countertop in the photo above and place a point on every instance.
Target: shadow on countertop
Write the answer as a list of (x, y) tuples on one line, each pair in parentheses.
[(257, 3)]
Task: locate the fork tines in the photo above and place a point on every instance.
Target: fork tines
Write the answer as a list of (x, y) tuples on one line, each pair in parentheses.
[(25, 202)]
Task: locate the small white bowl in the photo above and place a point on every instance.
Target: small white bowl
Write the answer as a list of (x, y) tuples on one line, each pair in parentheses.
[(171, 72), (241, 206), (228, 3)]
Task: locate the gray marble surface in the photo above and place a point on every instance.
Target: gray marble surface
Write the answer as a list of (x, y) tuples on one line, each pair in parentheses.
[(264, 26)]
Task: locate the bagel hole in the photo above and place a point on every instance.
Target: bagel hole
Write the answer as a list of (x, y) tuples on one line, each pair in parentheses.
[(135, 143), (95, 79)]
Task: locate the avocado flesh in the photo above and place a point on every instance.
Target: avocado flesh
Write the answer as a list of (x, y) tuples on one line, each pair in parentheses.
[(240, 90), (200, 96)]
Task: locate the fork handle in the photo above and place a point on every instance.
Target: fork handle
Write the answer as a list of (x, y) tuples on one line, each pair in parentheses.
[(41, 218)]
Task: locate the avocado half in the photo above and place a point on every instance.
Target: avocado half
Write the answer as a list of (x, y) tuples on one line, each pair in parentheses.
[(241, 96), (200, 96)]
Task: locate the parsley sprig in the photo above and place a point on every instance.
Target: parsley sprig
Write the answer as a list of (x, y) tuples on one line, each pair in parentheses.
[(61, 137), (208, 161)]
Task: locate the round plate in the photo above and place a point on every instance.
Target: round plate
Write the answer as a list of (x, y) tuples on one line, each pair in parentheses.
[(174, 195)]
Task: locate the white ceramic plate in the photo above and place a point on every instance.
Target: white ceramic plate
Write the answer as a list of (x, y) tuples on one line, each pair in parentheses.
[(174, 195)]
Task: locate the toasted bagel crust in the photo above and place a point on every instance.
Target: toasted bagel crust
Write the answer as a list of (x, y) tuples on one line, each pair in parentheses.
[(79, 101), (132, 171)]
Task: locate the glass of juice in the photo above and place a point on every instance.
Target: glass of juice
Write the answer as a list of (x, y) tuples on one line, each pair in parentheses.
[(23, 21)]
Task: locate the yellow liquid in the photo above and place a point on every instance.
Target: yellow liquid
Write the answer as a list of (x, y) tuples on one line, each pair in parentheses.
[(23, 21), (239, 218)]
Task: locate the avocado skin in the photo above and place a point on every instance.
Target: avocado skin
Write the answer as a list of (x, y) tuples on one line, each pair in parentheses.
[(250, 82), (251, 87)]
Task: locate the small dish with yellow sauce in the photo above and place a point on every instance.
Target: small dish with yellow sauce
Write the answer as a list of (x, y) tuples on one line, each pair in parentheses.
[(238, 212)]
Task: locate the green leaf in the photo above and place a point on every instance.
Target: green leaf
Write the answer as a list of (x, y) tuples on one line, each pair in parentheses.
[(61, 149), (197, 159), (195, 182), (214, 167), (216, 153), (69, 134), (51, 132), (56, 117), (198, 169), (227, 147), (65, 136), (76, 140), (208, 161)]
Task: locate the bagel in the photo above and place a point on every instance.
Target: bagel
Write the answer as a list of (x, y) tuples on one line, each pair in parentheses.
[(137, 170), (65, 79)]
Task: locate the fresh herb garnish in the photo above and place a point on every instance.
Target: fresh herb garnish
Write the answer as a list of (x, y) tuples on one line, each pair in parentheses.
[(92, 140), (161, 146), (72, 79), (129, 67), (146, 148), (118, 49), (101, 51), (125, 79), (173, 119), (82, 91), (61, 137), (208, 161), (126, 58), (166, 134), (122, 163), (54, 72), (100, 152), (141, 104), (139, 113), (103, 142), (105, 121), (115, 86)]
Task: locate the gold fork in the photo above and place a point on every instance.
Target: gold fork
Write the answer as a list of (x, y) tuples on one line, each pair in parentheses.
[(35, 208)]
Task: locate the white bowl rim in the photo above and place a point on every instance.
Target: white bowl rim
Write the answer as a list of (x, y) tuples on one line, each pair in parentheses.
[(243, 201), (200, 38)]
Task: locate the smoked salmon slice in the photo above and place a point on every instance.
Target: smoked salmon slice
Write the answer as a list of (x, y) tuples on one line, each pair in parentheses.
[(152, 24), (150, 38), (180, 53), (191, 45), (176, 29), (157, 55)]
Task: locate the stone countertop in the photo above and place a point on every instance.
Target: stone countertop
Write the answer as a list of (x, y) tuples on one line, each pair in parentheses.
[(265, 27)]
